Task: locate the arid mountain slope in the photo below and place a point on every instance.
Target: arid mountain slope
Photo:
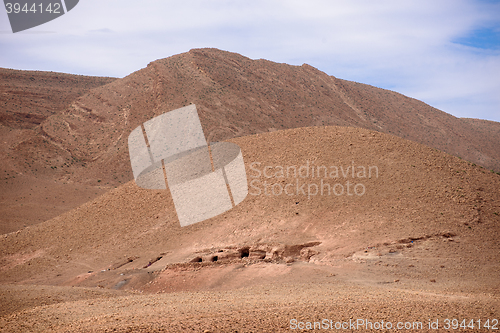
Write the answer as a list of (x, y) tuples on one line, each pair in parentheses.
[(30, 192), (84, 145), (424, 223), (29, 97), (488, 128), (419, 192), (236, 96)]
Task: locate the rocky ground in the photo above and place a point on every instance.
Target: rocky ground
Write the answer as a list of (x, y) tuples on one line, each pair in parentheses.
[(419, 246)]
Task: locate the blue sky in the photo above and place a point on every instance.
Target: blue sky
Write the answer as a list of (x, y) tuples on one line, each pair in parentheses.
[(445, 53)]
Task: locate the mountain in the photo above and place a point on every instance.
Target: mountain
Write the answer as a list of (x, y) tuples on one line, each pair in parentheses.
[(32, 194), (29, 97), (81, 149)]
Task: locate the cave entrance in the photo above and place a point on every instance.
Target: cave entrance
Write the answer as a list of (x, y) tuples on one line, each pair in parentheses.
[(244, 252)]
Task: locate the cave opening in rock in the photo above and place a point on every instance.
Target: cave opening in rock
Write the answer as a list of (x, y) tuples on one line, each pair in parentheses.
[(244, 252)]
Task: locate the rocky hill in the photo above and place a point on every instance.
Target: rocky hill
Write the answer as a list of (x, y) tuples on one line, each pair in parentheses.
[(66, 136), (410, 235)]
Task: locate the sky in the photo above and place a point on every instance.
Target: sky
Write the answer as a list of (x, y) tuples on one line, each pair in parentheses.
[(445, 53)]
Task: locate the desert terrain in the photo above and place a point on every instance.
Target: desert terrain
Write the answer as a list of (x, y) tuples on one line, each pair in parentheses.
[(66, 135), (29, 162), (411, 240)]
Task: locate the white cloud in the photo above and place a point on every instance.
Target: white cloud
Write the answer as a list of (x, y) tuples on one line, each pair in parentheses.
[(402, 45)]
